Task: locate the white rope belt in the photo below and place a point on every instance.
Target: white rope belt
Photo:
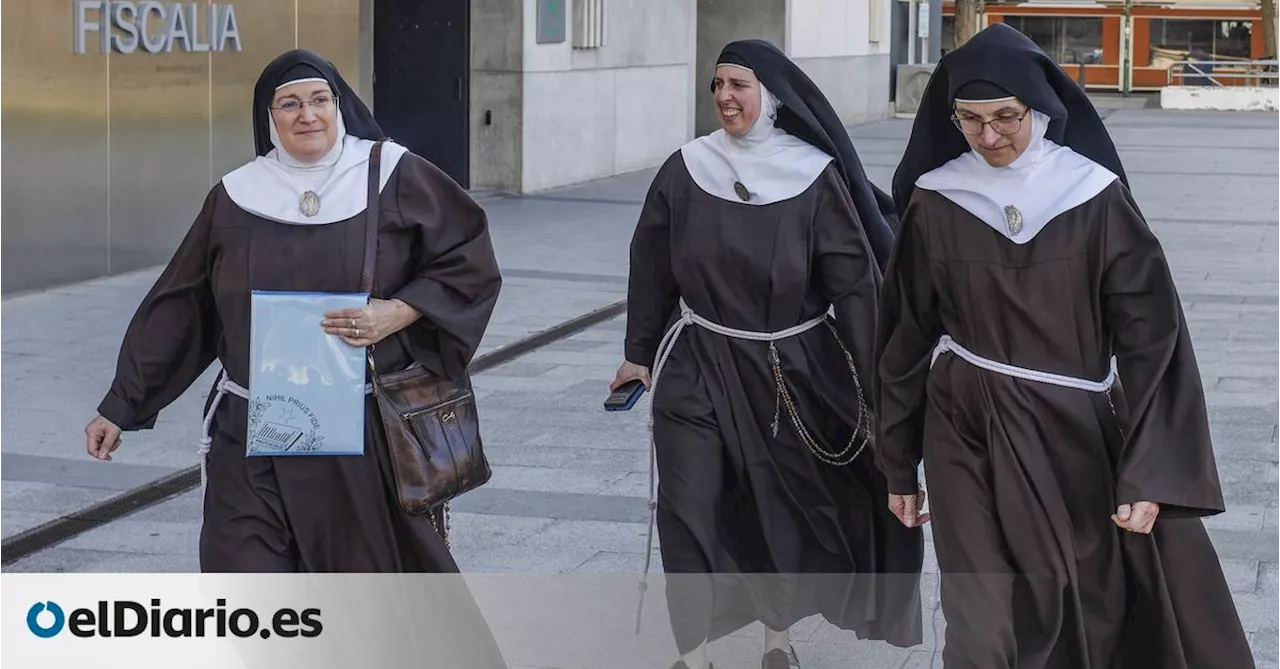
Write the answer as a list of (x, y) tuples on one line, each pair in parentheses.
[(224, 385), (668, 343), (948, 345), (688, 317)]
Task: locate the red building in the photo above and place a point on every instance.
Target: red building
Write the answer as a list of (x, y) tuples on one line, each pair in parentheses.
[(1090, 39)]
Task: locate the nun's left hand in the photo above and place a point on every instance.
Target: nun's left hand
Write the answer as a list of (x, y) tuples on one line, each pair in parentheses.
[(370, 324), (1139, 517)]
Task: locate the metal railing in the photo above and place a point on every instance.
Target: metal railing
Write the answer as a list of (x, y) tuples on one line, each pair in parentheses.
[(1223, 73)]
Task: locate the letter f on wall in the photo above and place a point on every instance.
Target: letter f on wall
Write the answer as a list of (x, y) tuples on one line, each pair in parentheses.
[(84, 25)]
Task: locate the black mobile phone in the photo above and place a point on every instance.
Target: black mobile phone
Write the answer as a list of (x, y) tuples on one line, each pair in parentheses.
[(625, 396)]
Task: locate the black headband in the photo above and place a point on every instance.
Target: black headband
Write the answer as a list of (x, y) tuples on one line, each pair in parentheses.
[(980, 89), (299, 72), (730, 58)]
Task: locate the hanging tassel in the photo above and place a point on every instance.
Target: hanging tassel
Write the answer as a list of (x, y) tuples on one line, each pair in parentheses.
[(643, 585)]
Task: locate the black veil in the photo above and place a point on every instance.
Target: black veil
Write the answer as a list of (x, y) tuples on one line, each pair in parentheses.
[(356, 116), (806, 113), (1005, 57)]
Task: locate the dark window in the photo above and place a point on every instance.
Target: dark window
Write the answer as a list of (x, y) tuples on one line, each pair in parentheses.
[(1067, 39), (1202, 39)]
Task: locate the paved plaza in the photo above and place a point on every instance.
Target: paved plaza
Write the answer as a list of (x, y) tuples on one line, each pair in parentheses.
[(570, 480)]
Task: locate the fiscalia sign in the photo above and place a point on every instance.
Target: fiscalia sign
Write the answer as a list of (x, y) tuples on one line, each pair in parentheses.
[(156, 27)]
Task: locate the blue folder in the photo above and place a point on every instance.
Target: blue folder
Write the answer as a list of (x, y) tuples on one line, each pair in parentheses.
[(306, 387)]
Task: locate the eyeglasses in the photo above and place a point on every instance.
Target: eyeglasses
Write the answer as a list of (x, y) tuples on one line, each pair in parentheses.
[(318, 104), (1004, 125)]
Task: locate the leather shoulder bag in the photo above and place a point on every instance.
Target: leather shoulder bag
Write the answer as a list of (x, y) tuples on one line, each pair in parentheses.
[(431, 422)]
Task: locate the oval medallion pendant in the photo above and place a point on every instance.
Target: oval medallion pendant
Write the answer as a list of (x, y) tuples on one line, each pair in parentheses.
[(1013, 218), (742, 191), (309, 205)]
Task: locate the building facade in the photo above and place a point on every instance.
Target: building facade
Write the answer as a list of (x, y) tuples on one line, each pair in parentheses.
[(121, 115), (1134, 45), (112, 137), (626, 82)]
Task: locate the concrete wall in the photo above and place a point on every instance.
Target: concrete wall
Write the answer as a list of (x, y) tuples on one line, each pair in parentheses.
[(720, 22), (497, 93), (559, 115), (834, 42), (831, 40), (590, 113)]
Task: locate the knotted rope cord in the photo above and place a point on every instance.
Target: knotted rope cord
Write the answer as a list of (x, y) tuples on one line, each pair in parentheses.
[(782, 396), (948, 345)]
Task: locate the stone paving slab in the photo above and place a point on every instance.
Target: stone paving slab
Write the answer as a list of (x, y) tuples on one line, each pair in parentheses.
[(81, 473)]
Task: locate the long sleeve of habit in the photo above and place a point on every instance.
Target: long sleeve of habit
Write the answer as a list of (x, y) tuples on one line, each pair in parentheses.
[(652, 292), (457, 281), (172, 338), (907, 330), (849, 276), (1168, 454)]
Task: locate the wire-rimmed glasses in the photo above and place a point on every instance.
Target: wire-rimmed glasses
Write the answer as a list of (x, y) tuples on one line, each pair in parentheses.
[(1003, 125), (319, 103)]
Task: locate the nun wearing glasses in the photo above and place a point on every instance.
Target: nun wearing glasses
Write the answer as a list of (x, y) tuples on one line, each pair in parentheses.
[(769, 505), (1067, 490), (292, 219)]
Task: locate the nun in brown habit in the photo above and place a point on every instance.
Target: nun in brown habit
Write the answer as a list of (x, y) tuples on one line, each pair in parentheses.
[(769, 503), (1066, 492), (292, 220)]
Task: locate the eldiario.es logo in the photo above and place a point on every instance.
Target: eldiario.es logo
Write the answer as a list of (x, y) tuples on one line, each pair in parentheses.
[(55, 625), (123, 618)]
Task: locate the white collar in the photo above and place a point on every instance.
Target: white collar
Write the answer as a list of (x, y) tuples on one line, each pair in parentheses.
[(1045, 181), (772, 164), (271, 186)]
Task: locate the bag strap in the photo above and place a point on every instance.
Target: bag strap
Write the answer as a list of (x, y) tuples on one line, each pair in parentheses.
[(371, 219), (371, 247), (371, 243)]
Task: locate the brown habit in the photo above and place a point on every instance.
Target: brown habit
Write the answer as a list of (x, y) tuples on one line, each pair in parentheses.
[(754, 526), (1023, 477), (324, 513)]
